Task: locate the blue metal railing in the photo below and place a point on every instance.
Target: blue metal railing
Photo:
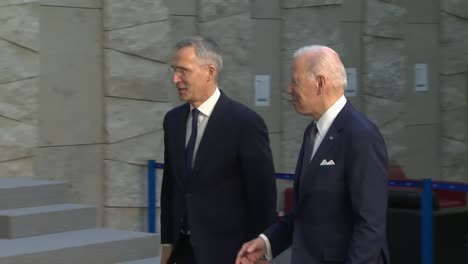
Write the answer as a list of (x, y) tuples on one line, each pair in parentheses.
[(427, 186)]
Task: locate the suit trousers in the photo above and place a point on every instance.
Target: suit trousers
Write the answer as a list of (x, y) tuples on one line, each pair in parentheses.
[(182, 252)]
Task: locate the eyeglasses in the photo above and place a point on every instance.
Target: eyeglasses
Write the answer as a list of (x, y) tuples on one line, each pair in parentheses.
[(181, 71)]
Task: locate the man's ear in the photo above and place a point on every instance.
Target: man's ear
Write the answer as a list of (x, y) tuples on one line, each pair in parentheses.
[(320, 83), (212, 72)]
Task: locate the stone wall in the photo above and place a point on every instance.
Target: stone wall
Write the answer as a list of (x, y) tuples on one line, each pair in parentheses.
[(19, 86), (454, 88), (105, 86), (137, 47)]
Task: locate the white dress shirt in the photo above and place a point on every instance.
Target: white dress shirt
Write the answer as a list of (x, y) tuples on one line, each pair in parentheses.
[(205, 112), (323, 125)]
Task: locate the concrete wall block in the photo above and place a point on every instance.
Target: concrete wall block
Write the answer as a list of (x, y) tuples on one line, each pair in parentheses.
[(150, 40), (17, 140), (454, 123), (18, 100), (454, 40), (72, 3), (234, 35), (386, 114), (128, 118), (458, 8), (304, 3), (384, 19), (125, 13), (129, 76), (384, 68), (453, 92), (130, 218), (269, 9), (138, 150), (71, 82), (80, 166), (312, 25), (18, 168), (216, 9), (17, 63), (16, 2), (126, 184), (453, 158), (20, 25)]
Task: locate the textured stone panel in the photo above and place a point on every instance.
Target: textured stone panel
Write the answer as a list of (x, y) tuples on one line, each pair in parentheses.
[(20, 25), (16, 2), (234, 35), (293, 126), (303, 3), (81, 166), (384, 68), (18, 169), (453, 158), (386, 114), (149, 40), (384, 19), (17, 63), (138, 150), (71, 95), (126, 184), (312, 25), (125, 13), (454, 40), (215, 9), (127, 218), (129, 118), (453, 91), (18, 100), (132, 77), (17, 140), (454, 123), (73, 3), (458, 8)]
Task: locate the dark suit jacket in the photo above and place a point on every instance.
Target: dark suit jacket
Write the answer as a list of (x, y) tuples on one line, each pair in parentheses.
[(339, 215), (232, 195)]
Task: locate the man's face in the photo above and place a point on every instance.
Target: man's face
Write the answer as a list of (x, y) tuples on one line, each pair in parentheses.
[(189, 76), (303, 88)]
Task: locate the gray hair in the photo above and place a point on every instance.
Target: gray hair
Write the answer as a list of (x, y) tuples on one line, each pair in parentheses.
[(325, 58), (206, 49)]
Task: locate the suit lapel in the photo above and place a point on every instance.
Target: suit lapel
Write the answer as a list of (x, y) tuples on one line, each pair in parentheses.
[(212, 131), (181, 127), (326, 145)]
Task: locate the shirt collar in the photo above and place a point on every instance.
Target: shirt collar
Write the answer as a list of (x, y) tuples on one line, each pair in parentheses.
[(207, 107), (325, 121)]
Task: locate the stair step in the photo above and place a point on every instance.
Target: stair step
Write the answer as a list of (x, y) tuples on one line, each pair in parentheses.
[(41, 220), (156, 260), (18, 193), (91, 246)]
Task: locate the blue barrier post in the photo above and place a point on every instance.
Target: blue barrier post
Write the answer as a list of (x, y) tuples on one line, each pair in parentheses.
[(426, 222), (151, 196)]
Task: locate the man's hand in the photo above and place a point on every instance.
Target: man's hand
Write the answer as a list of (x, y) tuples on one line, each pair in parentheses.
[(166, 253), (251, 252)]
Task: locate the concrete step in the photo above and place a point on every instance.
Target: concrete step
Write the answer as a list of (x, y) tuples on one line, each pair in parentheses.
[(41, 220), (156, 260), (18, 193), (90, 246)]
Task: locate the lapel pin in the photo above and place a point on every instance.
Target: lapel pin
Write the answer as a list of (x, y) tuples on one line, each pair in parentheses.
[(331, 137)]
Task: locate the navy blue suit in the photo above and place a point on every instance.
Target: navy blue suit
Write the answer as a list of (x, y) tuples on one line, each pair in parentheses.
[(231, 197), (339, 215)]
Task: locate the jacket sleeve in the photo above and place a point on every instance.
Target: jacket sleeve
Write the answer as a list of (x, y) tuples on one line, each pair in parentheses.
[(167, 194)]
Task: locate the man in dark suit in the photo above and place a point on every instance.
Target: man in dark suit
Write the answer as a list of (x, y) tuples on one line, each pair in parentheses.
[(339, 214), (218, 187)]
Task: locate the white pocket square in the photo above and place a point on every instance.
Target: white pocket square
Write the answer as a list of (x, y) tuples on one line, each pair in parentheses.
[(327, 163)]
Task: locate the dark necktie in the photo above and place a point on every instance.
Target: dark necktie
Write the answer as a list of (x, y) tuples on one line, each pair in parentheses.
[(191, 143), (309, 142)]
